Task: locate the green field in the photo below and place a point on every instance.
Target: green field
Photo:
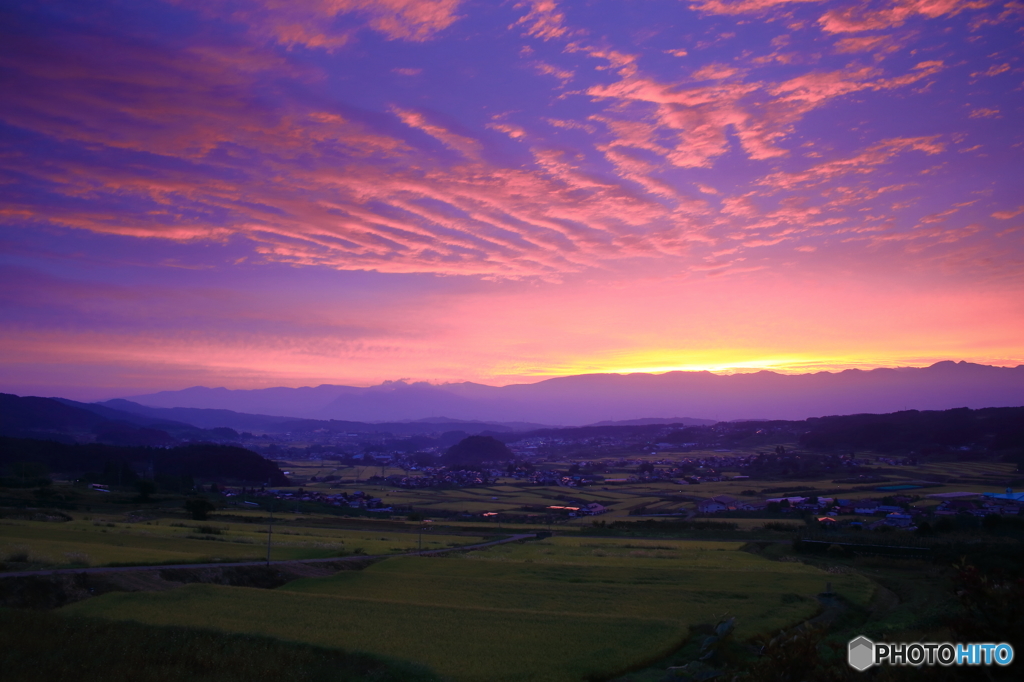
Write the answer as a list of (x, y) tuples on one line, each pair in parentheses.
[(559, 610), (103, 540), (44, 647)]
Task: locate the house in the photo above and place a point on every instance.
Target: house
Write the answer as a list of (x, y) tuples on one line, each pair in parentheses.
[(792, 500), (710, 506), (950, 507), (718, 503), (1008, 503), (865, 507), (898, 520)]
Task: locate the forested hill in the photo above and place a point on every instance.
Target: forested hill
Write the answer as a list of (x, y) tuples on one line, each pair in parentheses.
[(71, 422), (203, 460), (996, 429)]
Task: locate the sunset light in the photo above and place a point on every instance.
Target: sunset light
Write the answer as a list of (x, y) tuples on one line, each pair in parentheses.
[(684, 337), (253, 193)]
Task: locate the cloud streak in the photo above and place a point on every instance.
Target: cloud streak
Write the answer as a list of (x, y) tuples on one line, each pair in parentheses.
[(533, 144)]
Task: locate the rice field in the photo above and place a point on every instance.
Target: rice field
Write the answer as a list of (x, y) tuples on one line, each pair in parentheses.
[(104, 540), (559, 610)]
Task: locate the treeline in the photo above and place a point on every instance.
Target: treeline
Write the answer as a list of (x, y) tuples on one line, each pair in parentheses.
[(995, 429), (924, 433), (113, 464)]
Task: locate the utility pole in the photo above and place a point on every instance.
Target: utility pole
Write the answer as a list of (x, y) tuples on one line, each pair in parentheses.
[(270, 530)]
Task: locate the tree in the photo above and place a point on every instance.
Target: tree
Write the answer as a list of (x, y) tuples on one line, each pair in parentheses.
[(474, 450), (199, 508), (145, 488)]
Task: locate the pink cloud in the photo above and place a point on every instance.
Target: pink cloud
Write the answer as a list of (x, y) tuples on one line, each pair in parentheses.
[(865, 162), (743, 6), (863, 17), (468, 147), (309, 22), (855, 16), (546, 69), (543, 21), (513, 131), (715, 72), (314, 187), (878, 44), (1006, 215), (993, 70), (699, 118)]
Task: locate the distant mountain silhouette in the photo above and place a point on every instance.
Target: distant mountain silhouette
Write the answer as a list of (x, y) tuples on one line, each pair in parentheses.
[(591, 398), (649, 421), (205, 418)]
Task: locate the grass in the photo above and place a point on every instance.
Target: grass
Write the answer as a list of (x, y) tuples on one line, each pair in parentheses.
[(100, 541), (463, 642), (43, 647), (560, 610)]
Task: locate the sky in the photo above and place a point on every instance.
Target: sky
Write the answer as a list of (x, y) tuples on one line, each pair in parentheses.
[(252, 193)]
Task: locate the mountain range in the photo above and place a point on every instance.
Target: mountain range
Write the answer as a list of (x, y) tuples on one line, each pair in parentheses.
[(593, 398)]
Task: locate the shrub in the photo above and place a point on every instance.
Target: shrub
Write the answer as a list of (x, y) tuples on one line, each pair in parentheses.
[(199, 508)]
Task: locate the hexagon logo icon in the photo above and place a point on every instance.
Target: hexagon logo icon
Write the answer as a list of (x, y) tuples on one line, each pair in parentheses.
[(861, 653)]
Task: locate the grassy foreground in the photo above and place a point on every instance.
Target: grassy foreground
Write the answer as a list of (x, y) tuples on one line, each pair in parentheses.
[(561, 610), (43, 647)]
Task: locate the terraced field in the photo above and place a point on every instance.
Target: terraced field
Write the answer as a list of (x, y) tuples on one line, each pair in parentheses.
[(559, 610), (99, 541)]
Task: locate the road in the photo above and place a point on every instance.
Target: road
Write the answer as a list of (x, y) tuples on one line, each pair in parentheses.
[(355, 557)]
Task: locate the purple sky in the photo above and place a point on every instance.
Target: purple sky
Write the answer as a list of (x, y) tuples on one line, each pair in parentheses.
[(292, 192)]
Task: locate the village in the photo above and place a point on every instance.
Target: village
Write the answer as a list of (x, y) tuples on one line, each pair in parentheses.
[(897, 511)]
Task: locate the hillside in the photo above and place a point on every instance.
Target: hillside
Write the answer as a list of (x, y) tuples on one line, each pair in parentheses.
[(117, 464)]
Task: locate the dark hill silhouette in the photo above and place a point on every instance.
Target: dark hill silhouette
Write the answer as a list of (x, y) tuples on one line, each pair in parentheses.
[(200, 460), (475, 450), (996, 429), (69, 421), (24, 416)]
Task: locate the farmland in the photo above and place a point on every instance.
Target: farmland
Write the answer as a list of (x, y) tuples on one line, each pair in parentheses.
[(629, 571), (109, 539), (511, 498), (557, 610)]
